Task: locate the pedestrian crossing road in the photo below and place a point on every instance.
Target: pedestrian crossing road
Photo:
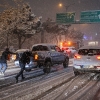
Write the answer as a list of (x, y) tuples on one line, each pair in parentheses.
[(14, 69)]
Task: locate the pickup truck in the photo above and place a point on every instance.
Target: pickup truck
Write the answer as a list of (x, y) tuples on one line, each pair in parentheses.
[(47, 55)]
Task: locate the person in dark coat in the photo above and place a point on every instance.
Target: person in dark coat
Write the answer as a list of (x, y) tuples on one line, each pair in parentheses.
[(25, 59), (3, 60)]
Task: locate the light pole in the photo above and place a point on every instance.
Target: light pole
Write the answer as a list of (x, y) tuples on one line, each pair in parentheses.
[(60, 4), (66, 6)]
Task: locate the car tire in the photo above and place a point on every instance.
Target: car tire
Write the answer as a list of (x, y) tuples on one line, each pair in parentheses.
[(47, 67), (66, 63), (76, 73)]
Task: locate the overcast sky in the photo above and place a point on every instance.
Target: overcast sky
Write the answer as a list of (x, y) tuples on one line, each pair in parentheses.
[(49, 8)]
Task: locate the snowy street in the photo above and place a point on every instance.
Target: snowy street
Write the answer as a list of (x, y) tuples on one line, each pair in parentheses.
[(60, 84)]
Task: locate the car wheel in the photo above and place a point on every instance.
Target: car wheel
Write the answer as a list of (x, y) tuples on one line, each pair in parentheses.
[(47, 67), (76, 73), (66, 62)]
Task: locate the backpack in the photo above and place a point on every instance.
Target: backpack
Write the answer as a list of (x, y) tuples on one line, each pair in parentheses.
[(25, 58)]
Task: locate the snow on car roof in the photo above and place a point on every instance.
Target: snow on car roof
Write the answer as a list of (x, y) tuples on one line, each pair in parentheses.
[(68, 47), (45, 44), (22, 50), (90, 47)]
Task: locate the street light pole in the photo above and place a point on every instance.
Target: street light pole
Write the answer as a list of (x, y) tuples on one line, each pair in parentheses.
[(66, 6), (69, 6)]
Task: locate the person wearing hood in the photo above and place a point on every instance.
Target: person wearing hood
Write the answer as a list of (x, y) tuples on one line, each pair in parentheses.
[(3, 60)]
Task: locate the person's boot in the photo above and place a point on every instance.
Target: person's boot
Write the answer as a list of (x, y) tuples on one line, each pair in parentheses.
[(16, 79)]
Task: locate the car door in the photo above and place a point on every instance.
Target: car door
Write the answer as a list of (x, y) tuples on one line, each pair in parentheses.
[(56, 54), (60, 54), (53, 54)]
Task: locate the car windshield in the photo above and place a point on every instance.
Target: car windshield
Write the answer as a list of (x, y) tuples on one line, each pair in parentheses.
[(88, 51), (40, 48)]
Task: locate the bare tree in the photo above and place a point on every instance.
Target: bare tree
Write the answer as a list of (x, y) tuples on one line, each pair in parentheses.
[(53, 28)]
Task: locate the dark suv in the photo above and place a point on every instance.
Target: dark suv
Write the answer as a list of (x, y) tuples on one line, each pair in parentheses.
[(47, 55)]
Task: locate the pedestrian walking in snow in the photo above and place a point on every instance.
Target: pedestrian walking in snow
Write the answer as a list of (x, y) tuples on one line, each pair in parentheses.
[(3, 60), (25, 59)]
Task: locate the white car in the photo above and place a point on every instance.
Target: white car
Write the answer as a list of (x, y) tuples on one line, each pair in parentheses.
[(16, 58), (87, 59), (69, 50)]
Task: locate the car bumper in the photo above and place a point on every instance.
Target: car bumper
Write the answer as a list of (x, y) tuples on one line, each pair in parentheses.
[(89, 68), (27, 66)]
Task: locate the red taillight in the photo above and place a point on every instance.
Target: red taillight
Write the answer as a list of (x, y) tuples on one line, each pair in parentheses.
[(68, 51), (98, 57), (77, 56), (63, 49)]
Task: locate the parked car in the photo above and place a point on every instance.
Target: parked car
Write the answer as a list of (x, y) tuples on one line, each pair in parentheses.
[(47, 55), (69, 50), (87, 59), (16, 58)]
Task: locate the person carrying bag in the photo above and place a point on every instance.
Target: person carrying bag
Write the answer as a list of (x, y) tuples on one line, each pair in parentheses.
[(25, 59)]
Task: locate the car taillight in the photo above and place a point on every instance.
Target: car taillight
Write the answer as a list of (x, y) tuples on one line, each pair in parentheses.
[(77, 56), (68, 51), (13, 57), (98, 57), (36, 57), (63, 49)]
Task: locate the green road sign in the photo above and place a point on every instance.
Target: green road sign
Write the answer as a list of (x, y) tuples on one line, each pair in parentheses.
[(65, 17), (90, 16)]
